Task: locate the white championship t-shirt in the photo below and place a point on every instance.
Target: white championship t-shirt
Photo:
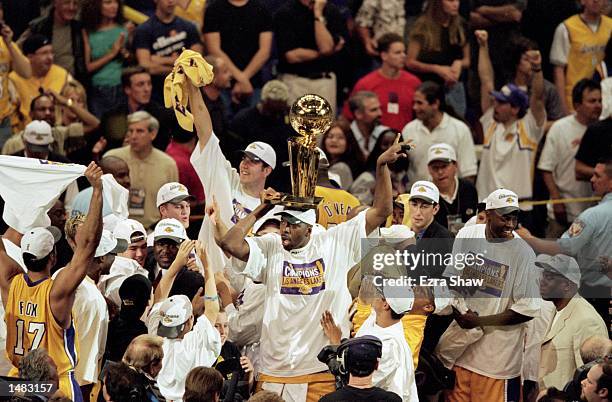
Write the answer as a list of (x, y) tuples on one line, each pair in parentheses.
[(395, 371), (300, 285), (509, 282), (562, 143), (508, 155)]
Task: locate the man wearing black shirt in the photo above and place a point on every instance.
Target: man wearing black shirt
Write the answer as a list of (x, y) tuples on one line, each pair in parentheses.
[(361, 360), (245, 47), (308, 33), (595, 146), (458, 197)]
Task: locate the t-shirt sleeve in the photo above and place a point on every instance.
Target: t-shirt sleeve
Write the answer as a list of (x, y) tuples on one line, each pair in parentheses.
[(347, 236), (526, 294), (142, 38), (548, 158), (578, 235), (212, 19), (468, 165), (259, 249), (560, 46)]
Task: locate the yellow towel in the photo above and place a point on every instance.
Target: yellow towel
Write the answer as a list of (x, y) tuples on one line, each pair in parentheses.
[(191, 67)]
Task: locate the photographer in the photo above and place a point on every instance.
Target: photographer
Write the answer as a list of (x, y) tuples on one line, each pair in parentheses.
[(360, 358)]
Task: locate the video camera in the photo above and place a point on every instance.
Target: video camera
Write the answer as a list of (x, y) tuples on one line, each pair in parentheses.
[(363, 350)]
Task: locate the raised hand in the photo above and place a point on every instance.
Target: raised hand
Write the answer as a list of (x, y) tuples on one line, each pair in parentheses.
[(184, 250), (331, 330), (94, 175), (482, 37), (395, 152)]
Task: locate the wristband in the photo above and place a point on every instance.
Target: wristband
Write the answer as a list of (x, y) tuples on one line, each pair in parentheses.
[(211, 298)]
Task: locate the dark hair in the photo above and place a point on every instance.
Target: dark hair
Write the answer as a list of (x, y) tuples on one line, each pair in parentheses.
[(187, 283), (34, 265), (124, 384), (363, 369), (202, 385), (127, 73), (396, 316), (266, 396), (605, 381), (581, 86), (518, 47), (352, 156), (553, 394), (355, 102), (435, 92), (377, 150), (91, 14), (36, 99), (385, 41)]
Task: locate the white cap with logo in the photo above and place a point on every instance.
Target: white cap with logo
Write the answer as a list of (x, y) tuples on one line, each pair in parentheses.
[(441, 152), (260, 151), (560, 264), (40, 241), (294, 216), (109, 244), (170, 228), (128, 227), (425, 190), (172, 192), (38, 133), (175, 312), (503, 201)]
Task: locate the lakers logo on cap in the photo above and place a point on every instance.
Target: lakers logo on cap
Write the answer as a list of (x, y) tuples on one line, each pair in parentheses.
[(438, 151), (422, 189), (39, 137), (510, 200), (168, 229)]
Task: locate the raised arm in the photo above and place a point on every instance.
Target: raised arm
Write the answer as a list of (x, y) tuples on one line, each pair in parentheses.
[(506, 13), (485, 70), (234, 242), (383, 192), (87, 239), (19, 63), (201, 117), (8, 270), (536, 101), (165, 284), (324, 39), (211, 298)]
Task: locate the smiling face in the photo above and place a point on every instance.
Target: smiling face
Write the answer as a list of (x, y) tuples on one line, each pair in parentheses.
[(253, 172), (424, 110), (136, 251), (335, 142), (222, 325), (501, 227)]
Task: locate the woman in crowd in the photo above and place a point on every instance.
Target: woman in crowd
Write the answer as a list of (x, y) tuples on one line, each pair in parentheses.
[(438, 50), (363, 186), (345, 158), (104, 38)]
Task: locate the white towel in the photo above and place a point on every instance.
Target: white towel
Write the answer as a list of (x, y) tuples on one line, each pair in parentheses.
[(30, 187)]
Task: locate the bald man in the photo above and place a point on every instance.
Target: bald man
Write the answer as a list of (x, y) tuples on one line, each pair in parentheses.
[(109, 164)]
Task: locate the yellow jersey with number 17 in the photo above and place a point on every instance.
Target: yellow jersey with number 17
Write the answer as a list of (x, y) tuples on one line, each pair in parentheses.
[(30, 325)]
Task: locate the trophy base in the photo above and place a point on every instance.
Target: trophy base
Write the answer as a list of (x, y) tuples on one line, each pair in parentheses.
[(303, 203)]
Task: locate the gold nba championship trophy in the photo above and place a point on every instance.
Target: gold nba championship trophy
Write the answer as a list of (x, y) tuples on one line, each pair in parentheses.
[(311, 115)]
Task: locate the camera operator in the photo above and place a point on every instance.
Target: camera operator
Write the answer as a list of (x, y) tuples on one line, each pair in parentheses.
[(359, 358)]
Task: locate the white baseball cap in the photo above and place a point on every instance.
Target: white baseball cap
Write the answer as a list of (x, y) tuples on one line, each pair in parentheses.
[(170, 228), (263, 220), (109, 244), (38, 134), (396, 233), (399, 298), (175, 312), (126, 228), (441, 152), (172, 192), (260, 151), (425, 190), (309, 216), (560, 264), (40, 241), (503, 201)]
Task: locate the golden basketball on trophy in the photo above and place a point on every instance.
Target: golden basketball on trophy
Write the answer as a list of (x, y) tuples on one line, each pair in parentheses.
[(311, 116)]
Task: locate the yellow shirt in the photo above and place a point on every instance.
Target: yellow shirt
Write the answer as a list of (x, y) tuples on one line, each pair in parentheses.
[(335, 206), (30, 324), (194, 12), (5, 68), (586, 50), (414, 328), (28, 89)]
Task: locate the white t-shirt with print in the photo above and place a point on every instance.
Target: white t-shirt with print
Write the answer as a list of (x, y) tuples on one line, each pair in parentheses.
[(562, 143), (300, 285), (508, 155), (510, 282)]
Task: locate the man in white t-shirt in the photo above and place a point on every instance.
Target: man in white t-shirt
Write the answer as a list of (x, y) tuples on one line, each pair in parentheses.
[(236, 191), (513, 125), (305, 275), (557, 161), (489, 369), (433, 125), (395, 372)]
